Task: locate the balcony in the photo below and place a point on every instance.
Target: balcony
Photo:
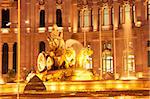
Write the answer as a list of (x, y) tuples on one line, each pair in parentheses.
[(5, 30), (41, 29)]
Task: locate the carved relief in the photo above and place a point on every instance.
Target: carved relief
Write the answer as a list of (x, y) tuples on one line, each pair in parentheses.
[(59, 1), (41, 2)]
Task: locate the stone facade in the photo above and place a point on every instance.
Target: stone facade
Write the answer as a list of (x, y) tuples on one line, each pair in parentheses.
[(133, 32)]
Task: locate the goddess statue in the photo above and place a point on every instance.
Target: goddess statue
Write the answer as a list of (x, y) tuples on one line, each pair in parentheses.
[(56, 42)]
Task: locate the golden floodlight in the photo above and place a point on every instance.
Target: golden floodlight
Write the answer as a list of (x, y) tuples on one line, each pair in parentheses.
[(1, 81)]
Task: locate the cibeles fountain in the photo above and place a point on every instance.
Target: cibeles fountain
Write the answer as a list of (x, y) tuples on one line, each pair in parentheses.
[(64, 61)]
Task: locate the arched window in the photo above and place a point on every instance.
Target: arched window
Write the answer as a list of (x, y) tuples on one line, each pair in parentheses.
[(106, 17), (107, 61), (5, 58), (58, 18), (15, 57), (42, 18), (5, 18), (41, 46)]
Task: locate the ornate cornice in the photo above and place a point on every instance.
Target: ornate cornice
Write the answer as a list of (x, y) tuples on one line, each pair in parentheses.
[(84, 3), (102, 3)]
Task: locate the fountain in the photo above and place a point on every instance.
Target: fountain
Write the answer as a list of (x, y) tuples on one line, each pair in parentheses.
[(64, 61)]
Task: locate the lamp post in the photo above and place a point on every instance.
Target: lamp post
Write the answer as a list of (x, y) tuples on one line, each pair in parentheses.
[(100, 47), (18, 50)]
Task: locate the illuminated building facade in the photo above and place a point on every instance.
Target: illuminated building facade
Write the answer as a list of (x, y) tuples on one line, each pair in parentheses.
[(116, 30)]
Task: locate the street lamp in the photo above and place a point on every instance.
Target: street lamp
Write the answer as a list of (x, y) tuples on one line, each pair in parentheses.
[(100, 47), (19, 48)]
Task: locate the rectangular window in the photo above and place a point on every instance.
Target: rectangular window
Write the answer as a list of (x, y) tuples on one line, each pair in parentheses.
[(127, 15), (86, 18), (106, 17)]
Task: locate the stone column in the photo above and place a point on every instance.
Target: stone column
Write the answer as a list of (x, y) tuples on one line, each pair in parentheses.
[(90, 17), (28, 14), (46, 15), (65, 15), (102, 16), (82, 18), (148, 54), (0, 49), (75, 18), (1, 79), (10, 56), (95, 16), (143, 10), (116, 14), (14, 18), (35, 25), (109, 13), (145, 7), (96, 56), (50, 11), (30, 18), (123, 14), (0, 56), (54, 11), (10, 20), (23, 39)]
